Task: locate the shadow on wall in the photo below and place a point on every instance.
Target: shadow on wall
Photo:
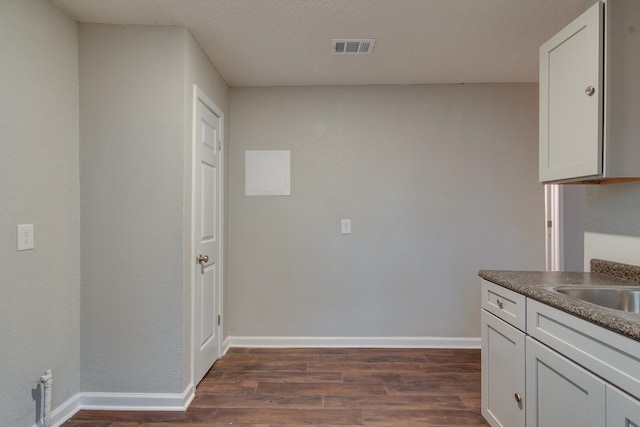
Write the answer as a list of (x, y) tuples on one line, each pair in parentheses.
[(36, 395)]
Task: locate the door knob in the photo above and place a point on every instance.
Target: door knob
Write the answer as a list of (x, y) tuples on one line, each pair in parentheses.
[(203, 259), (590, 90)]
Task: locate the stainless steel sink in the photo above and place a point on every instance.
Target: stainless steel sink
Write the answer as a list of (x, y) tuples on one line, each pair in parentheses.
[(623, 298)]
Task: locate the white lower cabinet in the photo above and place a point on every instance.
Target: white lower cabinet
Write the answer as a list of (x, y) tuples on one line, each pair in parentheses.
[(622, 409), (542, 367), (561, 393), (503, 375)]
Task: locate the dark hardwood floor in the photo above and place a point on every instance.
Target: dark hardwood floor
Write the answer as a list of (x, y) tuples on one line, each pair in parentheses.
[(324, 387)]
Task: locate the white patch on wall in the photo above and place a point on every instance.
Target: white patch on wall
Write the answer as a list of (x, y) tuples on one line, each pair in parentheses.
[(267, 173), (611, 247)]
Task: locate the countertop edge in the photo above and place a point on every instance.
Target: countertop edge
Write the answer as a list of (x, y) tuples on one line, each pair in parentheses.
[(532, 284)]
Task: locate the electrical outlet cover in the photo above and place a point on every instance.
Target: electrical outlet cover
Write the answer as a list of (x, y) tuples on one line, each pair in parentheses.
[(25, 237), (345, 226)]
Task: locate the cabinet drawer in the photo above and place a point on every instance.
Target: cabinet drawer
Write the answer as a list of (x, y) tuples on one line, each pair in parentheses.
[(505, 304), (611, 356)]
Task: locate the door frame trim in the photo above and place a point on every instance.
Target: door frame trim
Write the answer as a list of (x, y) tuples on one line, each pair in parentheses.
[(199, 95), (554, 242)]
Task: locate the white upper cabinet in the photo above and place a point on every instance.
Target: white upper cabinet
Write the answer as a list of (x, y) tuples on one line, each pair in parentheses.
[(571, 99), (589, 103)]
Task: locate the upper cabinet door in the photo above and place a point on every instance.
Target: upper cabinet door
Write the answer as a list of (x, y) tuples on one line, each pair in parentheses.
[(571, 99)]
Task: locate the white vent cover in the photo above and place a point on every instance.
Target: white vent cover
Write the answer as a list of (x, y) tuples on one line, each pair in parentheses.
[(352, 46)]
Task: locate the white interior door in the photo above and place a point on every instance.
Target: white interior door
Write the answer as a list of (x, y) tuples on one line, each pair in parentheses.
[(208, 247)]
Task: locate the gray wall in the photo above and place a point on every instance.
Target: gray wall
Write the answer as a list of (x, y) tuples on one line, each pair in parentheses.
[(131, 180), (614, 209), (136, 98), (574, 210), (613, 223), (40, 289), (439, 181)]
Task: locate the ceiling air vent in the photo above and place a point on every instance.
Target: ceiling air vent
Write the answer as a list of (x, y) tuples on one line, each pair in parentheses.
[(352, 46)]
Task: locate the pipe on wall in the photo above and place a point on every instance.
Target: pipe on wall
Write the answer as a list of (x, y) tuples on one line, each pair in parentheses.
[(46, 380)]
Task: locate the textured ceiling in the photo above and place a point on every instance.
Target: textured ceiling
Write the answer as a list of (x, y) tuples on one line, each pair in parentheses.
[(288, 42)]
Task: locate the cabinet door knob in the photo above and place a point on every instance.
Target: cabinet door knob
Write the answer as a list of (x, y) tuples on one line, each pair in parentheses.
[(518, 398), (500, 304), (590, 90)]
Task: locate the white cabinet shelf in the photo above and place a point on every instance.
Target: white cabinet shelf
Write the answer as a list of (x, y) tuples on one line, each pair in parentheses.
[(589, 108)]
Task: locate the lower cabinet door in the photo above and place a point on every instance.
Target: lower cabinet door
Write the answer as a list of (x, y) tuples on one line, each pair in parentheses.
[(622, 409), (561, 393), (502, 372)]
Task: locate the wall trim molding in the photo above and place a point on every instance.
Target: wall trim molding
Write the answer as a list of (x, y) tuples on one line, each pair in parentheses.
[(138, 401), (381, 342), (121, 402), (63, 412), (226, 345)]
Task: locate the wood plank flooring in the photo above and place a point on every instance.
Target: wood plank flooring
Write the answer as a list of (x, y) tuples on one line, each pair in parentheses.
[(324, 387)]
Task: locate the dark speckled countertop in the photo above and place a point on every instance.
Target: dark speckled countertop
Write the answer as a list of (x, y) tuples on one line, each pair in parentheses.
[(534, 284)]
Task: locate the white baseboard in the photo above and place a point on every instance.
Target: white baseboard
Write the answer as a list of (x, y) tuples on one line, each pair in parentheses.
[(225, 346), (121, 402), (138, 401), (63, 412), (373, 342)]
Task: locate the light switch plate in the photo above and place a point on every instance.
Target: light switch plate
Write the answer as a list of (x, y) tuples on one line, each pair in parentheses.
[(345, 226), (25, 237)]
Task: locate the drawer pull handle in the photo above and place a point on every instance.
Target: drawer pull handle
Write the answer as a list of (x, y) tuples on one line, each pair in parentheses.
[(500, 304), (518, 398)]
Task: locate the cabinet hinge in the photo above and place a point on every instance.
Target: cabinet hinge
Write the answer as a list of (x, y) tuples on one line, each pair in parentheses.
[(549, 224), (219, 319), (219, 145)]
